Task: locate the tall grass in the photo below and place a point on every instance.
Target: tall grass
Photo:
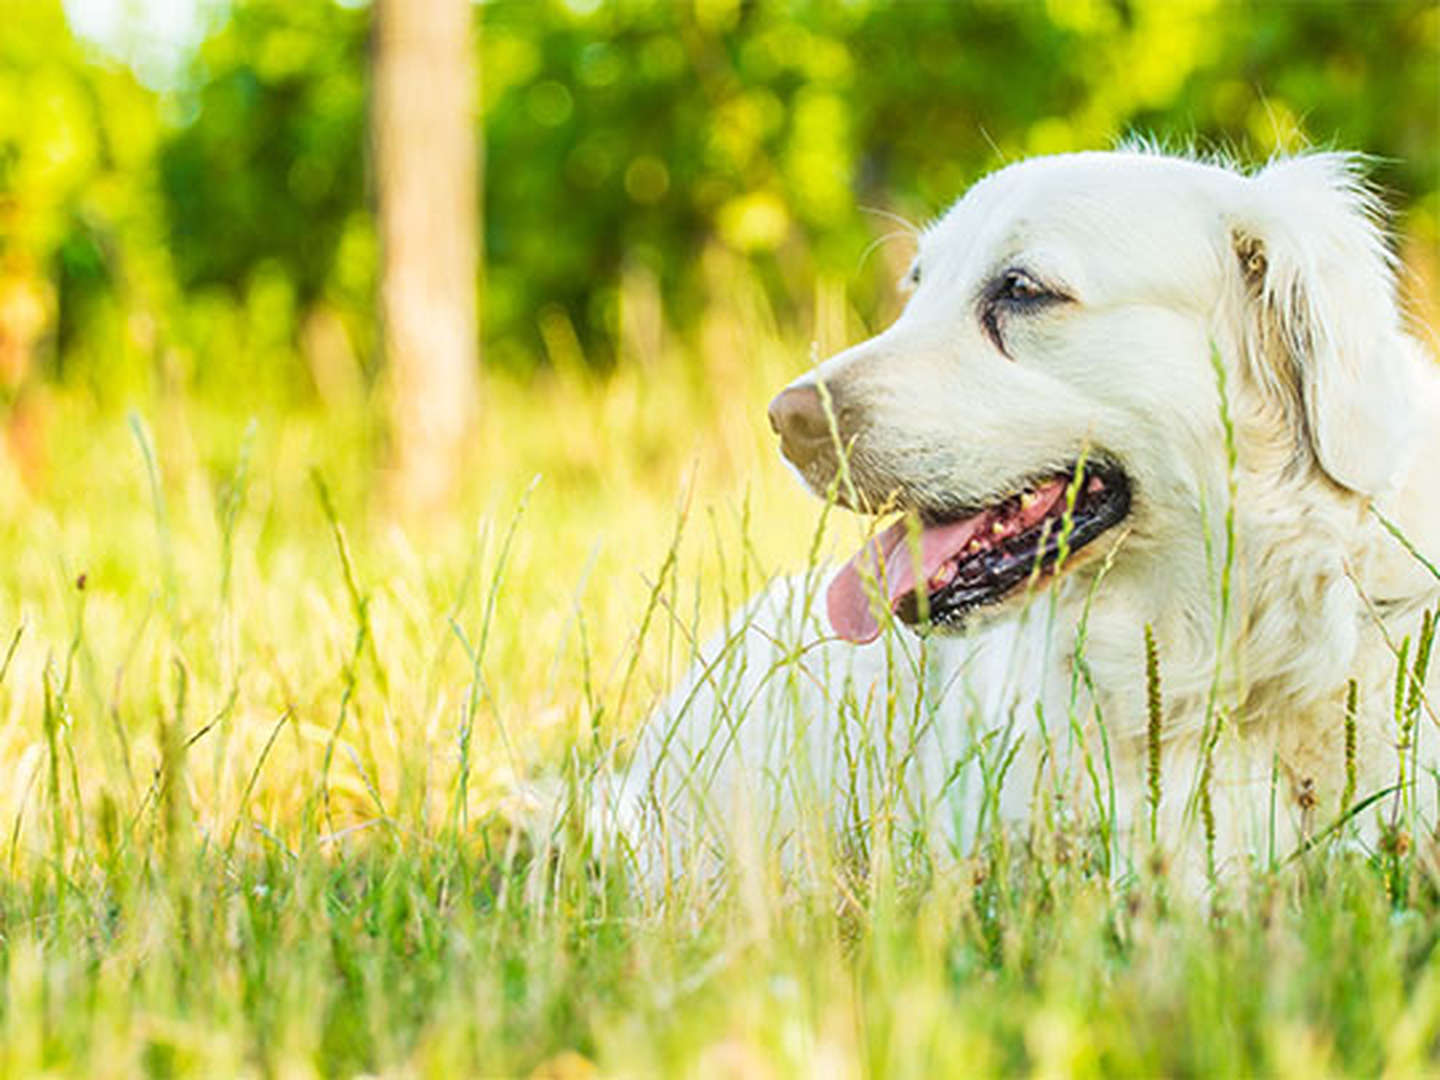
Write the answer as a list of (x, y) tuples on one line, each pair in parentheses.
[(263, 752)]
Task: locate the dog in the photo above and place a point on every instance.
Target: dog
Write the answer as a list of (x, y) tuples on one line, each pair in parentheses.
[(1158, 445)]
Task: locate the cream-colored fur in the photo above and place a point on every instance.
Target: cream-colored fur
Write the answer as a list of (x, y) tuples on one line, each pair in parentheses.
[(1173, 267)]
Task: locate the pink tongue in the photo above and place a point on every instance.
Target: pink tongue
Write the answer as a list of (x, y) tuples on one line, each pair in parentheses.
[(887, 560)]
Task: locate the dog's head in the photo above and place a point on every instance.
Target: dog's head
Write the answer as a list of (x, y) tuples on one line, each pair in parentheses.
[(1058, 368)]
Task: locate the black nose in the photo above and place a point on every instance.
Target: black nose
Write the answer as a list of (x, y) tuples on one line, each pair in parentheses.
[(798, 417)]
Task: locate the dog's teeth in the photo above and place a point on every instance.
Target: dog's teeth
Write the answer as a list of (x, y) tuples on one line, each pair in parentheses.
[(1028, 498), (999, 528), (943, 576), (973, 546)]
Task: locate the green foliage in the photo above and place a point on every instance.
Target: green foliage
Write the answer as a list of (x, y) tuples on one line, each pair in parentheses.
[(631, 149), (76, 214), (266, 212), (647, 133), (270, 170)]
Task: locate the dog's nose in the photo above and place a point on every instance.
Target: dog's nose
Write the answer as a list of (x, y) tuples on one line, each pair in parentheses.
[(798, 417)]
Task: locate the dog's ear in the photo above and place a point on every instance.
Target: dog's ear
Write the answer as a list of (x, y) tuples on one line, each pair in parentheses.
[(1323, 329)]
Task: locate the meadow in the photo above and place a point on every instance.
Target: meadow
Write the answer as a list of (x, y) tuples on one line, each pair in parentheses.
[(263, 742), (275, 751)]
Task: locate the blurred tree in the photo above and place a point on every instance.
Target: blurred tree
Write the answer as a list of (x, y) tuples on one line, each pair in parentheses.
[(633, 133), (634, 146), (271, 161), (82, 276), (76, 146), (423, 127), (266, 209)]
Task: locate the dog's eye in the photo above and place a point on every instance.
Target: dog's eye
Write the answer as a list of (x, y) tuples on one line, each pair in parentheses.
[(1021, 287), (1014, 292), (911, 281)]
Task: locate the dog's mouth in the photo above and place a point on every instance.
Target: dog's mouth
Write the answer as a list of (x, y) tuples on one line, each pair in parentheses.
[(978, 558)]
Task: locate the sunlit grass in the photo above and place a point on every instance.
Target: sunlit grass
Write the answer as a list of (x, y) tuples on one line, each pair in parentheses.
[(262, 744), (591, 473)]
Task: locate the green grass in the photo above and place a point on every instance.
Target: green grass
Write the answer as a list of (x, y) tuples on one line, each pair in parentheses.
[(260, 778)]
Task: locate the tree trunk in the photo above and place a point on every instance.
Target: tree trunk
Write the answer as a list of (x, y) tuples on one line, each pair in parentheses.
[(425, 134)]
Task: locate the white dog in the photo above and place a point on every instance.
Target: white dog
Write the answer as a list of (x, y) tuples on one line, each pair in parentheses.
[(1130, 393)]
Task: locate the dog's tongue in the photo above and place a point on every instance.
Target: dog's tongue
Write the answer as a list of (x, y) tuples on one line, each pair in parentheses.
[(888, 562)]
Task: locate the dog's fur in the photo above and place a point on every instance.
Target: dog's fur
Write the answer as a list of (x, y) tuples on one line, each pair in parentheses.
[(1180, 276)]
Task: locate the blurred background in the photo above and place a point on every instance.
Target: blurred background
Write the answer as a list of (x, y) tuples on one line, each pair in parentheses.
[(188, 188)]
